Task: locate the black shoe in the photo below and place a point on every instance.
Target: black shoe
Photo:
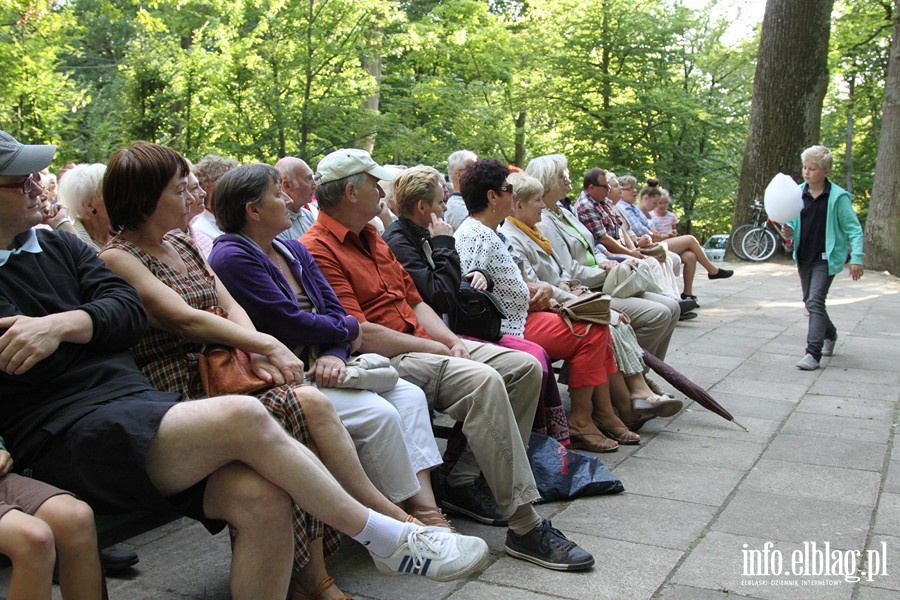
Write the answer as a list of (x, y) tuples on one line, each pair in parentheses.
[(720, 274), (549, 548), (687, 316), (687, 305), (690, 297), (475, 501), (117, 558)]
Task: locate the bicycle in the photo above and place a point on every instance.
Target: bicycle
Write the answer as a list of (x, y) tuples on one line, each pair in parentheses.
[(755, 241)]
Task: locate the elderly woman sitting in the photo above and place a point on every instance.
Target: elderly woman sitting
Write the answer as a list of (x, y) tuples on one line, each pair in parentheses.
[(593, 424), (81, 192), (631, 394)]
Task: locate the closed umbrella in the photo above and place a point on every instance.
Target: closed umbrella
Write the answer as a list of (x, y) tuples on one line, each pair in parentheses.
[(688, 388)]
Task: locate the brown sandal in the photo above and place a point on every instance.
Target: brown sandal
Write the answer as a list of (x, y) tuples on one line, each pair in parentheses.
[(320, 589), (592, 442), (430, 516), (622, 435)]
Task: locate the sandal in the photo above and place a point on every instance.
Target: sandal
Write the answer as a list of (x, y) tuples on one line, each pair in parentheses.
[(592, 442), (622, 435), (320, 589), (430, 516)]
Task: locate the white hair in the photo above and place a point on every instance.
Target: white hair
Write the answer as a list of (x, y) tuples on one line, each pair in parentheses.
[(80, 184), (547, 170), (459, 160)]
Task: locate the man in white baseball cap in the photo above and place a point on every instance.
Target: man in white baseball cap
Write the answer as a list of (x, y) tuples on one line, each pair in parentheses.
[(349, 161)]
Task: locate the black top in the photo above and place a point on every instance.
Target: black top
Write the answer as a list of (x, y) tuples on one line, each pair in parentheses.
[(812, 225), (65, 386), (438, 283)]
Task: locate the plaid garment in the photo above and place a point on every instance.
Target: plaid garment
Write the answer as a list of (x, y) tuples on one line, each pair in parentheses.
[(170, 363), (600, 218)]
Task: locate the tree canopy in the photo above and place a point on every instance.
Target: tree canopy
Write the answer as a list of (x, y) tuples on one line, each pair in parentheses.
[(648, 87)]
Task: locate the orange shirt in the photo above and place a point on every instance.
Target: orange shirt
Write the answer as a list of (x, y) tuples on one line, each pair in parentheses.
[(368, 279)]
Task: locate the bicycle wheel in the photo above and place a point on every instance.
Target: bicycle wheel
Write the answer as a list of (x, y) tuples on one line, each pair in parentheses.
[(758, 244), (737, 236)]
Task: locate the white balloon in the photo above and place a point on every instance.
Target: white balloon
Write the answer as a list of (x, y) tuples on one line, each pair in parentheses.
[(783, 199)]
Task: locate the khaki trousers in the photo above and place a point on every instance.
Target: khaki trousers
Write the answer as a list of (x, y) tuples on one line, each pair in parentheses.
[(495, 395)]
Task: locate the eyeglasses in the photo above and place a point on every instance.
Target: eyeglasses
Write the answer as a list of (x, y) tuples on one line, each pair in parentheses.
[(26, 185), (603, 185), (506, 188)]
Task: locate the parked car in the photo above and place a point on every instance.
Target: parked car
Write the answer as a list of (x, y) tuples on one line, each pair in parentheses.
[(715, 246)]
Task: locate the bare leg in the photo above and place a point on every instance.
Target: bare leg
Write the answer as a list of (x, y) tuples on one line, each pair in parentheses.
[(212, 433), (28, 542), (683, 243), (582, 408), (314, 573), (260, 514), (637, 387), (689, 270), (72, 523), (339, 454), (621, 397)]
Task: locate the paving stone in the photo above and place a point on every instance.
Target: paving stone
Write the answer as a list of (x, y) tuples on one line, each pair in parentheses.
[(813, 481), (740, 405), (716, 563), (847, 429), (701, 450), (892, 481), (684, 592), (710, 361), (813, 451), (872, 593), (481, 591), (778, 373), (850, 388), (785, 518), (624, 571), (675, 481), (696, 420), (839, 406), (887, 515), (635, 518), (756, 386), (881, 545)]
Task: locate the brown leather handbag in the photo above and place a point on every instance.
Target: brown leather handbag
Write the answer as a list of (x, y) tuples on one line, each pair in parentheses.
[(590, 308), (225, 370)]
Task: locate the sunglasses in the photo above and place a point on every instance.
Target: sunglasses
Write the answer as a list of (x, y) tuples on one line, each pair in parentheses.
[(506, 188), (26, 185)]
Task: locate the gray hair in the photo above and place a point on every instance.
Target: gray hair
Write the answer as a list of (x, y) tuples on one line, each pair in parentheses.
[(459, 160), (628, 180), (820, 155), (329, 194), (80, 184), (547, 170)]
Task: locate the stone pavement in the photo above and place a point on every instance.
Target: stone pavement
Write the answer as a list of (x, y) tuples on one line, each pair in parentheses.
[(818, 466)]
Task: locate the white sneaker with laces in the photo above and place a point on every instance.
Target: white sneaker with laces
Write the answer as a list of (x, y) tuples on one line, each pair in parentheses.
[(807, 363), (435, 553), (828, 347)]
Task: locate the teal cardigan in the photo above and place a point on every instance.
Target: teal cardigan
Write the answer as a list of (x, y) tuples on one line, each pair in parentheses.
[(843, 233)]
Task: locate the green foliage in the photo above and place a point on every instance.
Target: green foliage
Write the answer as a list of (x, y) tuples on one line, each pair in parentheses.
[(647, 87)]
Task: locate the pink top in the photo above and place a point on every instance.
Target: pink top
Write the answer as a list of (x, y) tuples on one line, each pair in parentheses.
[(664, 224)]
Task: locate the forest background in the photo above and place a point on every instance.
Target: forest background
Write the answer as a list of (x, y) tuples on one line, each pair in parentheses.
[(655, 88)]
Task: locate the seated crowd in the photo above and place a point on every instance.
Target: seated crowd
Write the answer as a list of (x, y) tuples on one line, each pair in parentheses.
[(110, 296)]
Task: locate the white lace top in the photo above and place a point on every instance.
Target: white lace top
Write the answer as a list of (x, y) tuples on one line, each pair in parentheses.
[(482, 249)]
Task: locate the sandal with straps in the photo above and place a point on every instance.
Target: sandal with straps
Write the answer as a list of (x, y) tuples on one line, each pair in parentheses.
[(592, 442), (320, 589), (622, 435), (430, 516)]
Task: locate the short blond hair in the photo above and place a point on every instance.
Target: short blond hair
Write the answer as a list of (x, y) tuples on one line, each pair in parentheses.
[(820, 155), (525, 186), (416, 184)]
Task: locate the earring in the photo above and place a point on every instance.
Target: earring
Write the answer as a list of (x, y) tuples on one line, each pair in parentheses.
[(93, 211)]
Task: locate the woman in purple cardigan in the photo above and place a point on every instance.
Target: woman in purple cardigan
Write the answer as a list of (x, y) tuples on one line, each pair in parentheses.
[(285, 294)]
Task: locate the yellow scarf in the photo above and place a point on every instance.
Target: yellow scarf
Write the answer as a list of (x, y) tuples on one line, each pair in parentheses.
[(535, 234)]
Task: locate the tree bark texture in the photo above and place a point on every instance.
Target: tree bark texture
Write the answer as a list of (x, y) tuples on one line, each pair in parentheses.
[(788, 91), (882, 239)]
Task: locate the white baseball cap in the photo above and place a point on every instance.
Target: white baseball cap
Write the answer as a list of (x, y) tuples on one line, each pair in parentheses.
[(349, 161)]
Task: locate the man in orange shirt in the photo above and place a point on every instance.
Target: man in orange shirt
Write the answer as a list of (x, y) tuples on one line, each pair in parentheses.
[(492, 390)]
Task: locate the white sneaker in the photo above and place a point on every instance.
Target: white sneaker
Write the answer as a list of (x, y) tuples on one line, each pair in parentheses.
[(435, 553), (828, 347), (808, 363)]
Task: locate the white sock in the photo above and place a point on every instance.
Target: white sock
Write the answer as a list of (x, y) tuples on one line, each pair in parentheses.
[(381, 535)]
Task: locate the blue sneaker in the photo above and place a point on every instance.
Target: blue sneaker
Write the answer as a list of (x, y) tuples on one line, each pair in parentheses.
[(434, 553)]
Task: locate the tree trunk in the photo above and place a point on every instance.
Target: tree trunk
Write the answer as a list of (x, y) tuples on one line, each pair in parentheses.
[(882, 239), (788, 91), (372, 64), (848, 136), (519, 159)]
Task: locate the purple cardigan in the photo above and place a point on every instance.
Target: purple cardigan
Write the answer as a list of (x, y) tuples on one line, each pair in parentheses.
[(261, 289)]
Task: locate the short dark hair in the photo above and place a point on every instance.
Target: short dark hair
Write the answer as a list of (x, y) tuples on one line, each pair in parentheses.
[(590, 178), (243, 185), (481, 176), (135, 179)]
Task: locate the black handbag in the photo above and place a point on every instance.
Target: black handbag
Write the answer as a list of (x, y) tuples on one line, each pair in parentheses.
[(477, 314)]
